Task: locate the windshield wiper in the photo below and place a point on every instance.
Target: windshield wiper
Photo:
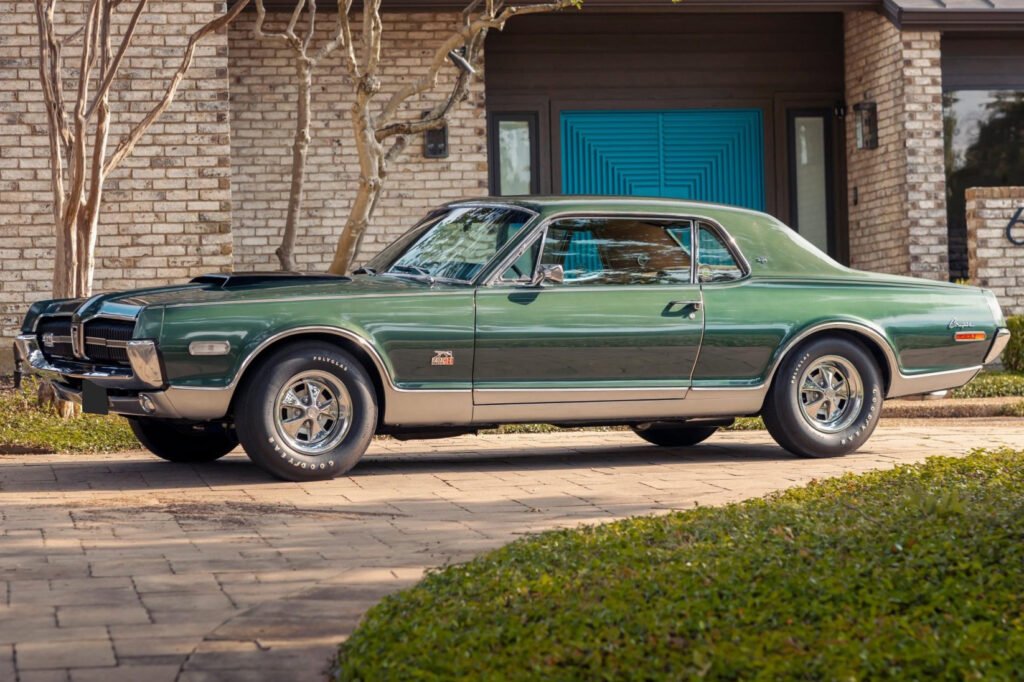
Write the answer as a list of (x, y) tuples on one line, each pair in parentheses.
[(365, 271), (411, 270)]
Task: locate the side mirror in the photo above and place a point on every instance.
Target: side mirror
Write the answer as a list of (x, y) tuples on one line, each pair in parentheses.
[(555, 274)]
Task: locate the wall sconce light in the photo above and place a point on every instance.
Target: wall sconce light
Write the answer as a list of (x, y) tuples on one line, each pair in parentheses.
[(867, 124), (435, 143)]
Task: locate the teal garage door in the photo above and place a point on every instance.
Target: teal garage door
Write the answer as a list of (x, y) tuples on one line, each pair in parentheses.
[(702, 154)]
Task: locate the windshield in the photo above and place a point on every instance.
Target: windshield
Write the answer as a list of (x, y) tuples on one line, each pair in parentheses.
[(452, 245)]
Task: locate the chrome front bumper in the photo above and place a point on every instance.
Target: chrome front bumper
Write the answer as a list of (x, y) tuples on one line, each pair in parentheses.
[(998, 345), (145, 371), (131, 390)]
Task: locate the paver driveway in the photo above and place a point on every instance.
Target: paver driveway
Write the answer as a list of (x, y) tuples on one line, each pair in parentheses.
[(126, 567)]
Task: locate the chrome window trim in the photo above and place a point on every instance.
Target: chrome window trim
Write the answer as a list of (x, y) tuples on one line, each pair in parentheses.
[(694, 219), (730, 244)]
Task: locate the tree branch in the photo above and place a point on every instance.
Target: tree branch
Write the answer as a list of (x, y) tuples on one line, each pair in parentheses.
[(288, 35), (459, 39), (111, 72), (312, 27), (373, 30), (440, 113), (342, 33), (131, 138)]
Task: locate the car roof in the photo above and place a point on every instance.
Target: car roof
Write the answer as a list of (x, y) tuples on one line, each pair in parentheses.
[(584, 203), (771, 248)]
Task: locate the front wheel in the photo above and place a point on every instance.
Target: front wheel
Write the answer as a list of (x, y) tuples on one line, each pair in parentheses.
[(307, 412), (826, 399), (184, 443)]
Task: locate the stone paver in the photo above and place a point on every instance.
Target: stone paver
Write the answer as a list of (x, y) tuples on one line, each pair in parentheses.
[(126, 567)]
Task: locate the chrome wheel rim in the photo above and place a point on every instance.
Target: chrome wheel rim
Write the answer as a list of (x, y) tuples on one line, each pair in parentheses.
[(830, 394), (313, 412)]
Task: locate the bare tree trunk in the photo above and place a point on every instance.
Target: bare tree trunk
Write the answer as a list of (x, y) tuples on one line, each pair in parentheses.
[(370, 163), (300, 149), (78, 173), (463, 48)]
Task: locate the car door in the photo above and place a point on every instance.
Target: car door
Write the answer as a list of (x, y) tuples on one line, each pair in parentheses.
[(624, 324)]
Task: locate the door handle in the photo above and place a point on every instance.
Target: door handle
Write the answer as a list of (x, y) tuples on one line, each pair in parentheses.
[(693, 306)]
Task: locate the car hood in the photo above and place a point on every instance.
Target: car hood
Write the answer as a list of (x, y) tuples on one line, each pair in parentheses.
[(214, 289)]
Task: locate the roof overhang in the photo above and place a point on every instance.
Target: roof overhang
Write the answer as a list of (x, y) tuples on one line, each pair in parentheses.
[(708, 6), (956, 15), (924, 15)]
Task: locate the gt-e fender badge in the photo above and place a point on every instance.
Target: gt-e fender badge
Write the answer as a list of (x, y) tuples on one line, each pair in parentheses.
[(443, 358)]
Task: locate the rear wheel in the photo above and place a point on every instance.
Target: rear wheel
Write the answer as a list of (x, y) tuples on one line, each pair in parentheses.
[(826, 398), (674, 435), (307, 412), (185, 443)]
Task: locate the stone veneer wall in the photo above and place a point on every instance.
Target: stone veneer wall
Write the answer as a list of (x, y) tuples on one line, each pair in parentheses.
[(167, 210), (898, 220), (993, 261), (262, 110)]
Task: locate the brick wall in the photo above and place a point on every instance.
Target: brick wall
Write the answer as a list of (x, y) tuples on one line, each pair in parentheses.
[(993, 261), (166, 213), (897, 191), (262, 110)]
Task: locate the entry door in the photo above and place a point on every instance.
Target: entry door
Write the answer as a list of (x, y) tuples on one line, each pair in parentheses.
[(714, 155), (811, 192), (625, 323)]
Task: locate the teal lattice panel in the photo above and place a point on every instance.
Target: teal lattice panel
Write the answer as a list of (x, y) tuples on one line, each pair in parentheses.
[(703, 154)]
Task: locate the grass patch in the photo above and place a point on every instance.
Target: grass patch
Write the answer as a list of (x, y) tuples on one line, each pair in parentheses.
[(24, 425), (992, 385), (913, 573), (747, 424), (1014, 410)]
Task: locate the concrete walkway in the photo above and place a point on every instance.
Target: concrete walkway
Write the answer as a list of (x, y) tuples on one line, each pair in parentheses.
[(124, 567)]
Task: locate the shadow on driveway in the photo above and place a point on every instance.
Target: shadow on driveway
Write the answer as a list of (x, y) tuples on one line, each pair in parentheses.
[(107, 473)]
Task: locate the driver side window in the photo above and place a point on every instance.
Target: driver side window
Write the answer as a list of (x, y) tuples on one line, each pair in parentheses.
[(614, 251)]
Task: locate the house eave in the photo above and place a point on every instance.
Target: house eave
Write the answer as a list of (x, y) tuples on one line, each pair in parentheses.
[(953, 20)]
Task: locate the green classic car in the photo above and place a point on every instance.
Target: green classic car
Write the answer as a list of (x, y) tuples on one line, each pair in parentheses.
[(670, 317)]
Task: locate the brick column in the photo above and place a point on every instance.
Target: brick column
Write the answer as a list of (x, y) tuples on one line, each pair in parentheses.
[(993, 261), (897, 201)]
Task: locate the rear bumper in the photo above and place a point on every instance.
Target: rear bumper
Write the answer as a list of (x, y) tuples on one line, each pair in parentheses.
[(998, 345)]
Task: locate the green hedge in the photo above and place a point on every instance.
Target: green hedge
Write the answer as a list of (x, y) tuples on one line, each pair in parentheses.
[(1013, 356), (910, 574)]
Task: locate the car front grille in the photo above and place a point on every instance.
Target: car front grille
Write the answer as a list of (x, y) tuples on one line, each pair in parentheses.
[(106, 340), (55, 337)]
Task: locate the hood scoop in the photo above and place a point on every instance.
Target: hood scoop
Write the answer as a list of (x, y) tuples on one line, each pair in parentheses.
[(233, 280)]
